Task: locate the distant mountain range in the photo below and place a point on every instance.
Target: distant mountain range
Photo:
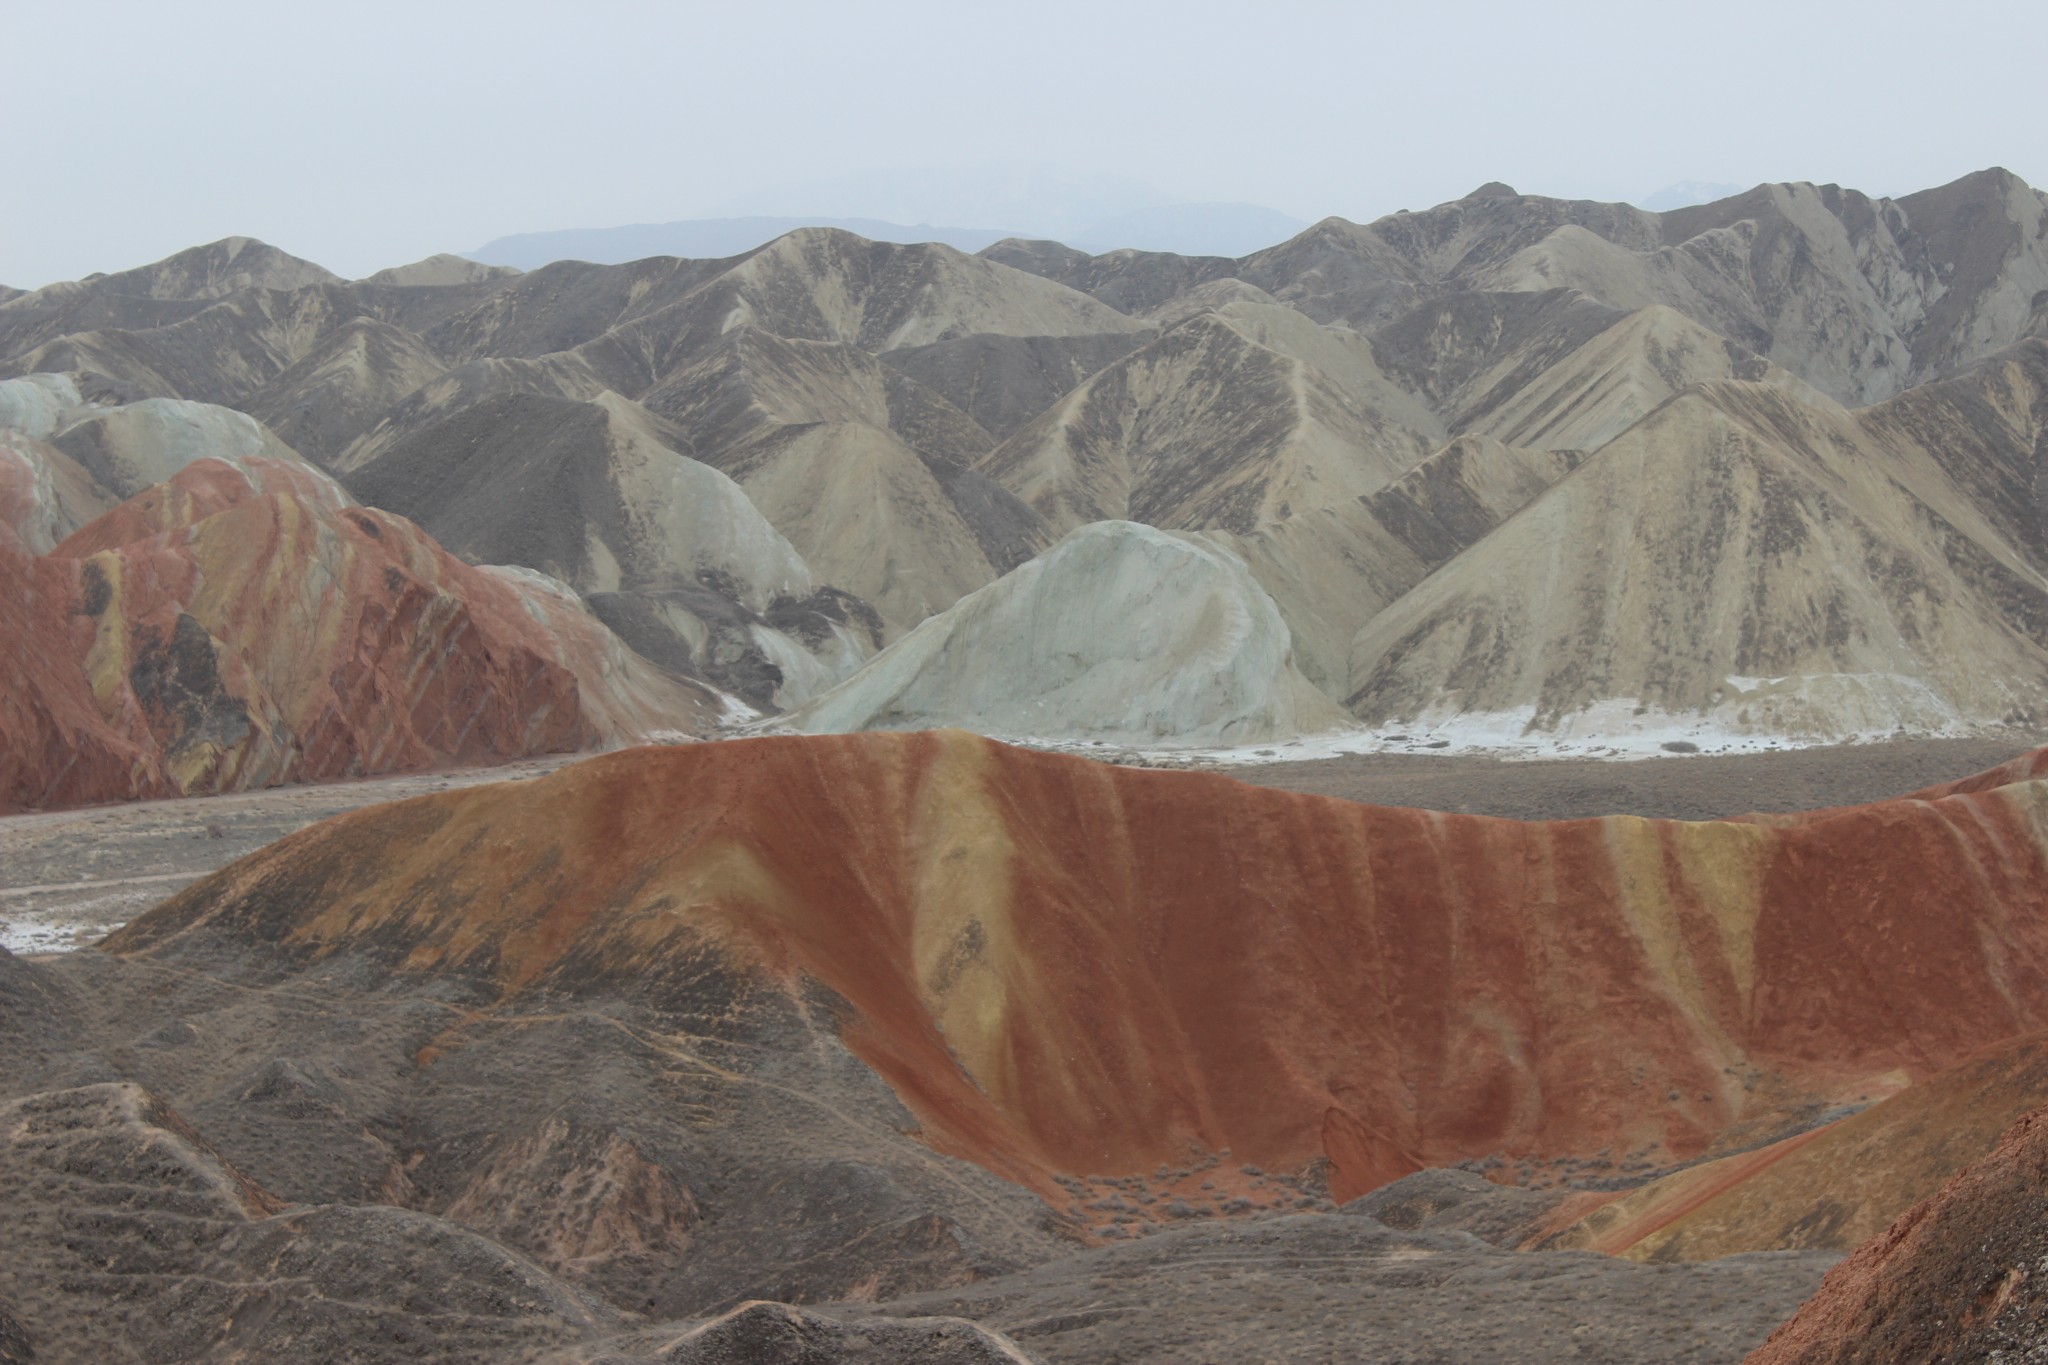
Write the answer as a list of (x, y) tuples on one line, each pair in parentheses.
[(1686, 193), (1511, 470), (1186, 229), (706, 239)]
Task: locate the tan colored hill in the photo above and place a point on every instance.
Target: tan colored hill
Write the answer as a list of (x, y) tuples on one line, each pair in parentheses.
[(1133, 282), (817, 284), (1003, 382), (1743, 559), (1230, 420), (1861, 297), (1332, 570), (593, 492), (1211, 296), (222, 353), (826, 285), (1120, 633), (438, 271), (1555, 370), (342, 386), (1615, 380), (1984, 426), (215, 271), (560, 306), (152, 295), (863, 469), (668, 551), (562, 375), (1925, 283), (1366, 276)]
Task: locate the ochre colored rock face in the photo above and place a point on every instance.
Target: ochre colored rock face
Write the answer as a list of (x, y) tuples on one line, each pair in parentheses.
[(1068, 967), (203, 637), (1958, 1277), (1831, 1187)]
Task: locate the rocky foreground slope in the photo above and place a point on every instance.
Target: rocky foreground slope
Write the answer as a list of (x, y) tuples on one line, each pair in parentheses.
[(902, 1024), (1958, 1277)]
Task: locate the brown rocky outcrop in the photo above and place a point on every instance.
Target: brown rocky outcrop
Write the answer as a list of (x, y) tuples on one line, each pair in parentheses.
[(1960, 1277)]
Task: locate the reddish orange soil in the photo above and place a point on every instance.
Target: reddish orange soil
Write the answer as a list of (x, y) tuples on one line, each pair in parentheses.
[(1066, 968), (1962, 1276), (1831, 1187), (203, 637)]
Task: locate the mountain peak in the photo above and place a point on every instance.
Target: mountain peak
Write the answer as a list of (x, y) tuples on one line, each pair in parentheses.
[(219, 268), (442, 269)]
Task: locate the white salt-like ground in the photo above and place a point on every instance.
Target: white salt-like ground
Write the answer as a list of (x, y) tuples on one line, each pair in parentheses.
[(1748, 716), (1617, 729), (25, 936)]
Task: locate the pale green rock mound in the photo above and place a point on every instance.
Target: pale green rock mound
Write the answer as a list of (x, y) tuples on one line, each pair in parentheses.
[(1121, 633)]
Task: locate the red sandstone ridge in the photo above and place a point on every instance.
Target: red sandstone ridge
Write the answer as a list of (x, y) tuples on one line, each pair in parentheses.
[(204, 636), (1065, 967), (1962, 1276), (201, 490)]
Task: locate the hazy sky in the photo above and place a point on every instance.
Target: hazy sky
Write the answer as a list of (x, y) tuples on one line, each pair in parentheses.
[(362, 135)]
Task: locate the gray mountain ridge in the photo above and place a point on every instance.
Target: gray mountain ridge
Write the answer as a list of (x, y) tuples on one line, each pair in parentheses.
[(913, 422), (1194, 229)]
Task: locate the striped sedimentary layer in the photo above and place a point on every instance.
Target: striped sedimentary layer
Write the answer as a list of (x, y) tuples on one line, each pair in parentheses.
[(206, 635), (1064, 967)]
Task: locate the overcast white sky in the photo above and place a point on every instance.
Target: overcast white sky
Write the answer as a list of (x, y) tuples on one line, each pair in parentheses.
[(368, 134)]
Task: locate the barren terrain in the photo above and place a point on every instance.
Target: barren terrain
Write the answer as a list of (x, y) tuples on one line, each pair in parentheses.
[(805, 1019), (1678, 787), (67, 878)]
